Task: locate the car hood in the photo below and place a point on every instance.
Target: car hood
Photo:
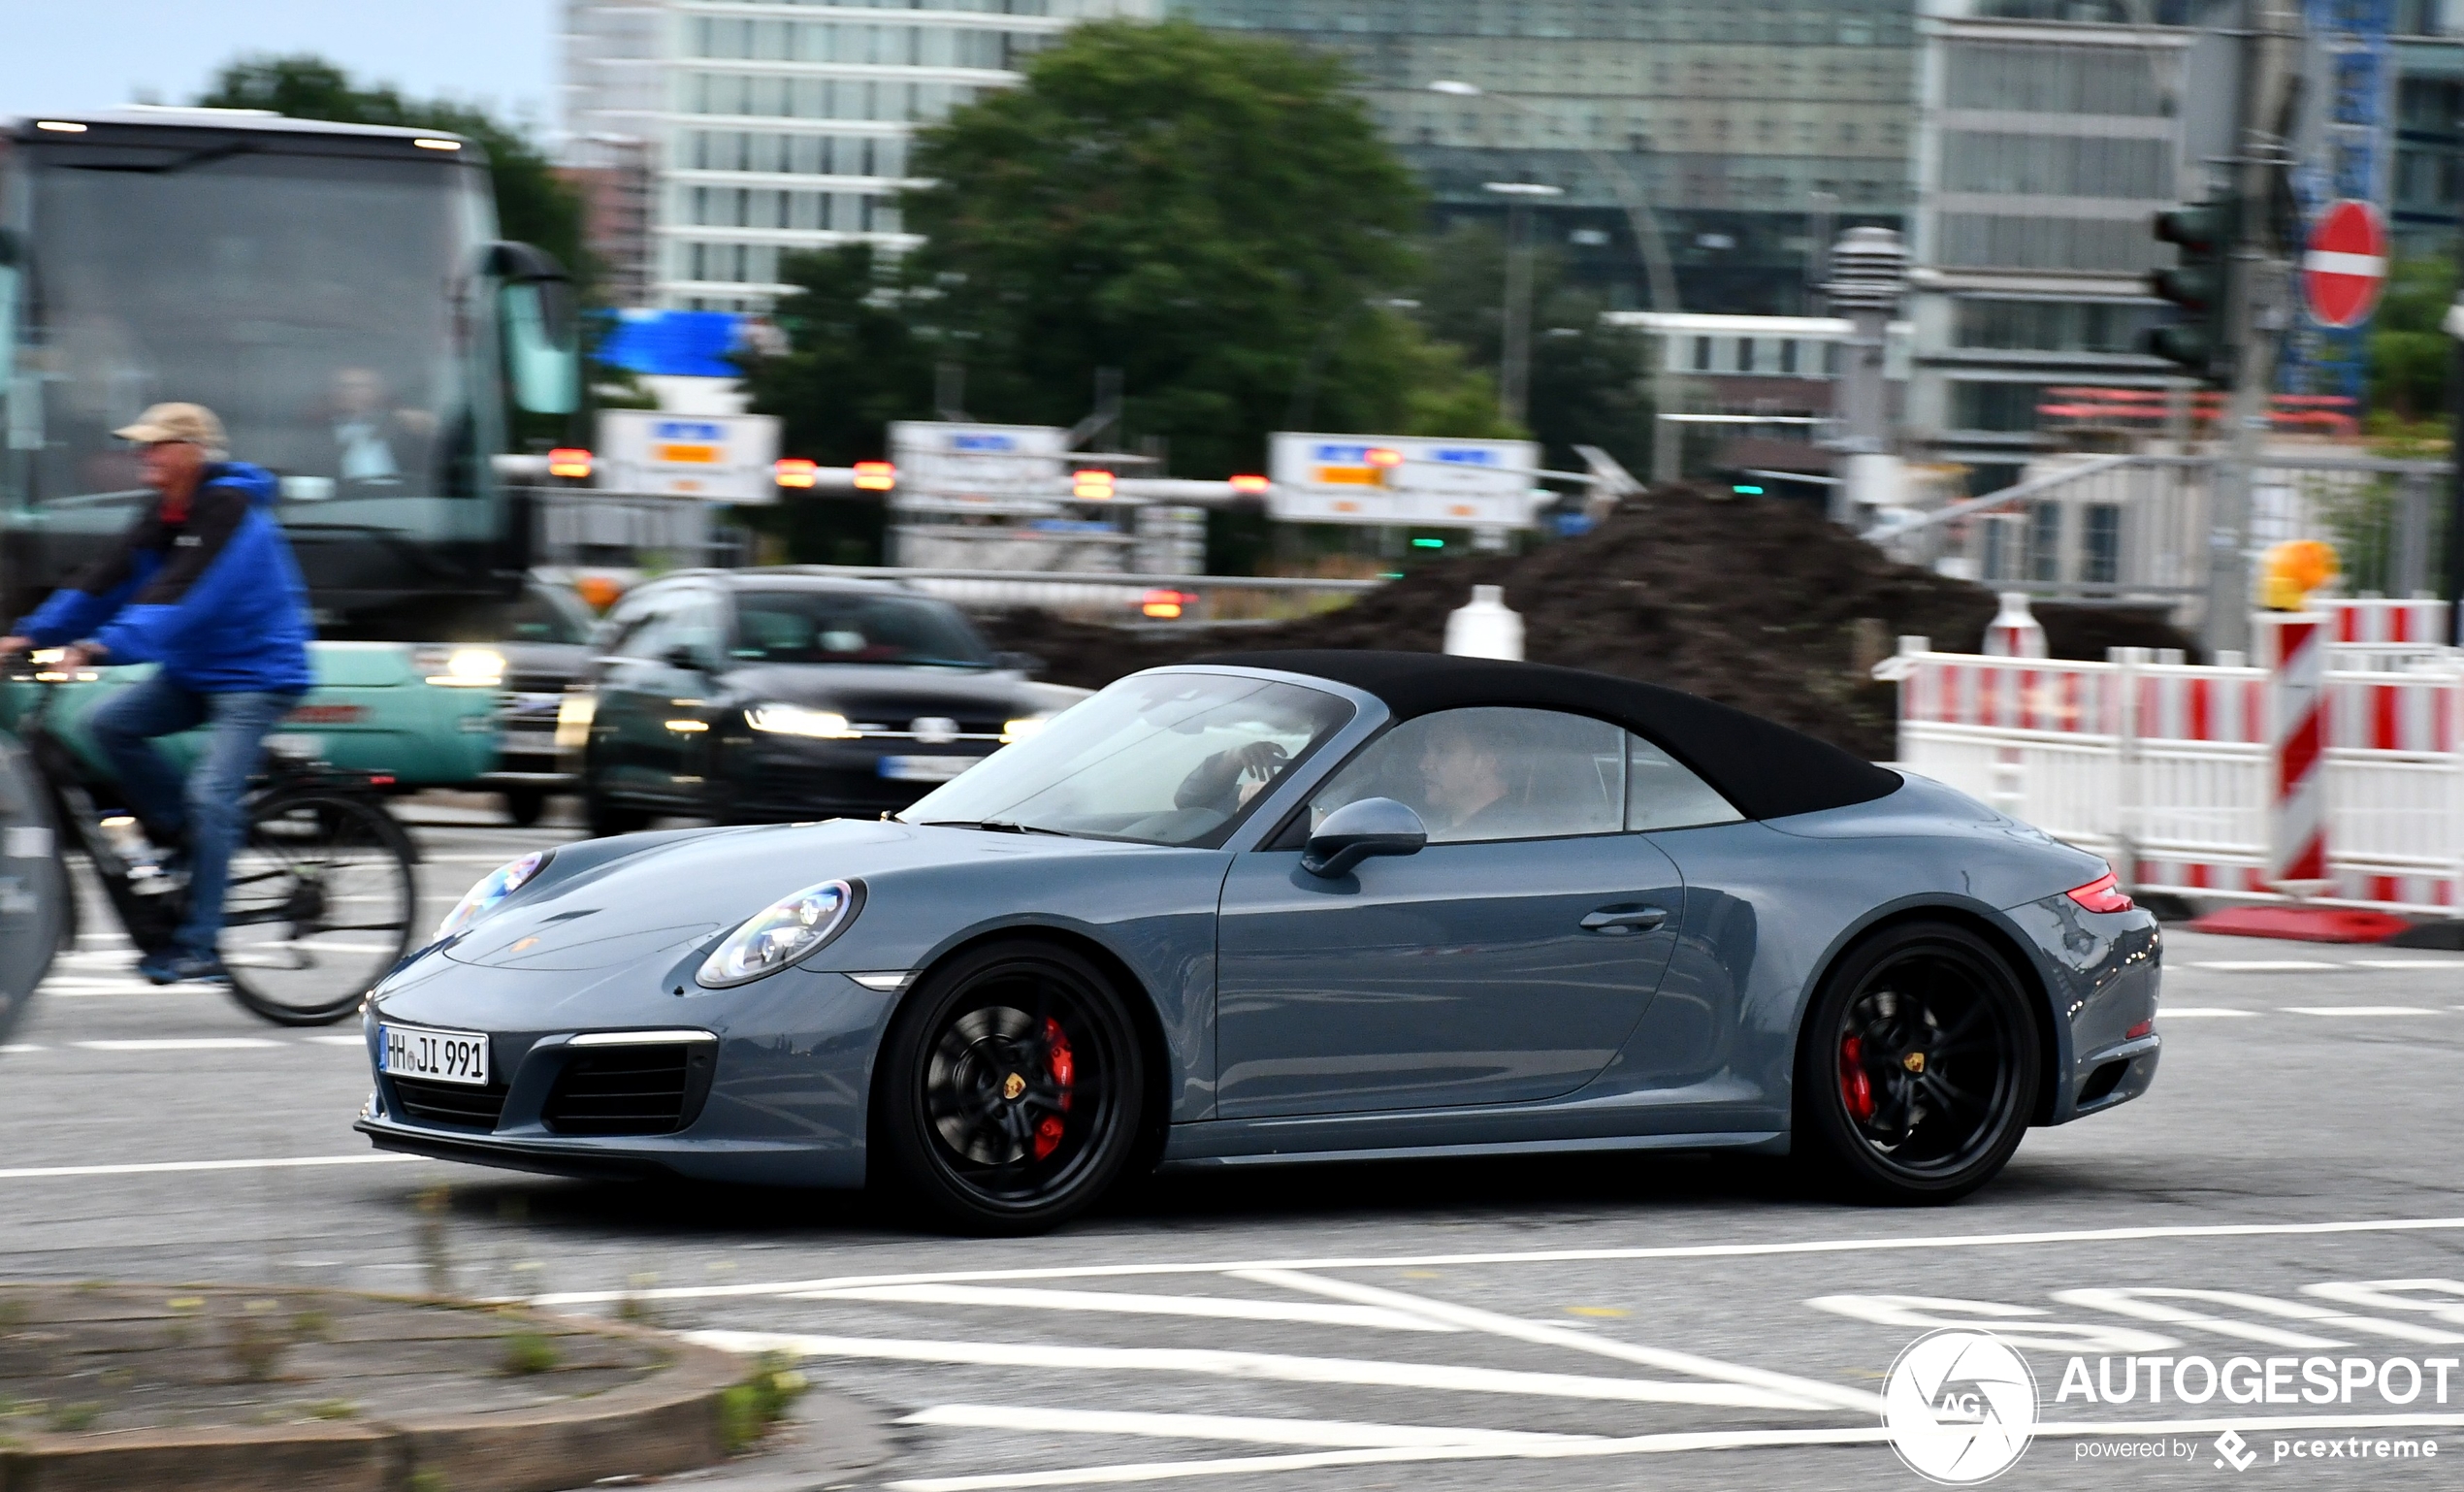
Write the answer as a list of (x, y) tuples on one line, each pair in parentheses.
[(604, 909), (889, 695)]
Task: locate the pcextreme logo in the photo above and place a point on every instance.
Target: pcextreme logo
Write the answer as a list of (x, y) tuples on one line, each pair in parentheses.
[(1960, 1407)]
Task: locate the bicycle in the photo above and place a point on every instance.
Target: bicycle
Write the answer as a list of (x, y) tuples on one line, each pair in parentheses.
[(322, 897)]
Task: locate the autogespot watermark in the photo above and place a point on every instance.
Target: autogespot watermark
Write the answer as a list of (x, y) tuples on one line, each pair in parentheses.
[(1961, 1406)]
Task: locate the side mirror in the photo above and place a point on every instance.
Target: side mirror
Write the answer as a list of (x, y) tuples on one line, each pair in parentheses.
[(685, 655), (1356, 832)]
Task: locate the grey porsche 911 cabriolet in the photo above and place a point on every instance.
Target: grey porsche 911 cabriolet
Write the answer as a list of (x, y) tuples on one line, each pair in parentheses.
[(1287, 907)]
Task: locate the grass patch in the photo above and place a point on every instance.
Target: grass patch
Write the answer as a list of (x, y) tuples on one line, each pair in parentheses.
[(333, 1409), (527, 1352), (72, 1419), (747, 1411)]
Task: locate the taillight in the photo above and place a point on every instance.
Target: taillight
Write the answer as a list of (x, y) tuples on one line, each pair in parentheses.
[(2101, 894)]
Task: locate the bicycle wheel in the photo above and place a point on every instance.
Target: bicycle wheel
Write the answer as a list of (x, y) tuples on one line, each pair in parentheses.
[(323, 901)]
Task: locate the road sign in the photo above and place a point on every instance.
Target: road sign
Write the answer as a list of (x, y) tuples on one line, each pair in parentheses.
[(2347, 264), (946, 467), (1413, 482), (719, 458)]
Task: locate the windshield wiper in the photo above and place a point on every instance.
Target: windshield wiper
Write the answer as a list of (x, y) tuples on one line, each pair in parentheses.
[(998, 826)]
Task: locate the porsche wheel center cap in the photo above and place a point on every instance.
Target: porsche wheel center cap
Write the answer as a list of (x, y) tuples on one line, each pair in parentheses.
[(1013, 1086)]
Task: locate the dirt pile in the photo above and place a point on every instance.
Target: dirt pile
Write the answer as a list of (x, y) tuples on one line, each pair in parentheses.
[(1755, 602)]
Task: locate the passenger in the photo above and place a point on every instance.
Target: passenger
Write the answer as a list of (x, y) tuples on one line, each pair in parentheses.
[(1465, 784), (374, 445)]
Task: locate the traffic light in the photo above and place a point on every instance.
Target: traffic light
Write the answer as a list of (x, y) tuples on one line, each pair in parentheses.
[(2199, 285)]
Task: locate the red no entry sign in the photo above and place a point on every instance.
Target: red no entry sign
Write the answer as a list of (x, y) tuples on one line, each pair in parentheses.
[(2346, 265)]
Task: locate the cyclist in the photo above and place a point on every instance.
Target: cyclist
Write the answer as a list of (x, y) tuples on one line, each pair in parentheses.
[(202, 584)]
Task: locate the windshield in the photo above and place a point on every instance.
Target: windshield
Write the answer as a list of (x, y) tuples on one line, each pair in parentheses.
[(1172, 758), (847, 627), (310, 301)]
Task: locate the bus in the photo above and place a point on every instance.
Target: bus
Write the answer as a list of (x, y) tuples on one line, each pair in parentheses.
[(337, 293)]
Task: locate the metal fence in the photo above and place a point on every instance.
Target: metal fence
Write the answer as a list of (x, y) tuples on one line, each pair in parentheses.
[(2136, 527)]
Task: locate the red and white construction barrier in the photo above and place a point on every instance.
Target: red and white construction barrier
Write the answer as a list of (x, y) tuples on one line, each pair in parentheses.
[(2293, 646), (2419, 623), (2344, 782)]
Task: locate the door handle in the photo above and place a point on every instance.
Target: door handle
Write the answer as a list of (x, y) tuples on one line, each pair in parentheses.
[(1618, 922)]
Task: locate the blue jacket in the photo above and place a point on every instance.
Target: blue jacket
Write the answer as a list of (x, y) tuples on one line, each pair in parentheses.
[(214, 598)]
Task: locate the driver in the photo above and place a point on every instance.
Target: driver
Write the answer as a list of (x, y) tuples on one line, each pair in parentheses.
[(202, 584), (1226, 781)]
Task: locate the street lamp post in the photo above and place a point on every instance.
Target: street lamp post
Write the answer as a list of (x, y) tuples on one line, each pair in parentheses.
[(1515, 360), (1658, 272)]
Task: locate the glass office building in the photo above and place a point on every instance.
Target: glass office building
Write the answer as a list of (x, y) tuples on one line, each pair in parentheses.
[(1755, 129), (767, 126)]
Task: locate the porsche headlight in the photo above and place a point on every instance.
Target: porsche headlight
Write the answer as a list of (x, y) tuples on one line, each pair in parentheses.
[(797, 720), (782, 932), (492, 887)]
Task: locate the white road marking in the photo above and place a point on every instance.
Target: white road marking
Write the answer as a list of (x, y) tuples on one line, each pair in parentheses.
[(1328, 1433), (1636, 1445), (1813, 1391), (2151, 1303), (148, 1167), (2264, 966), (335, 1041), (22, 1046), (2359, 1010), (2199, 1012), (2056, 1238), (1217, 1307), (176, 1043), (1270, 1366)]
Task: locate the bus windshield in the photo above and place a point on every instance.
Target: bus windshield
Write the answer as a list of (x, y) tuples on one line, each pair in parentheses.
[(317, 303)]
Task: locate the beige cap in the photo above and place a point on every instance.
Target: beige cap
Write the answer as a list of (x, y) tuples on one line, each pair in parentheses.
[(194, 424)]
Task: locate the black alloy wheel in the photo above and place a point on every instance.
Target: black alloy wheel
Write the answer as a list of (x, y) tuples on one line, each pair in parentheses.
[(1010, 1092), (1918, 1069)]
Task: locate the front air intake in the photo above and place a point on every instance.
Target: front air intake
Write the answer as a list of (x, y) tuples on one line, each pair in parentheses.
[(653, 1089)]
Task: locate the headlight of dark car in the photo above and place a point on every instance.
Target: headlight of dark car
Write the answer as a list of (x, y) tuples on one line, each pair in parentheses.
[(490, 891), (779, 934), (797, 720)]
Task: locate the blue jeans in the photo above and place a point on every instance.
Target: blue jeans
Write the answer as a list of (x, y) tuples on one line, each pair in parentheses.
[(206, 814)]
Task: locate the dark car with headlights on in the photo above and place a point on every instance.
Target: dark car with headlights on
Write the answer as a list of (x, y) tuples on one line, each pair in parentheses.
[(765, 694)]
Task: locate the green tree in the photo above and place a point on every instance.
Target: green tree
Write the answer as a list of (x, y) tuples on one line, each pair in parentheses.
[(1588, 378), (1215, 217), (2408, 351), (532, 204), (860, 354)]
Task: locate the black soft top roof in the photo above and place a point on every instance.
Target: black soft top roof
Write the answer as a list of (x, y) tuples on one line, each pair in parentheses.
[(1768, 770)]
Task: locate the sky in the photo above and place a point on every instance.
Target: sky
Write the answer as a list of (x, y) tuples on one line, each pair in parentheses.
[(67, 55)]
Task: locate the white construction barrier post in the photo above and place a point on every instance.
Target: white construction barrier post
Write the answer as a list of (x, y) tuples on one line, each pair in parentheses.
[(2293, 649), (2014, 632), (1485, 628)]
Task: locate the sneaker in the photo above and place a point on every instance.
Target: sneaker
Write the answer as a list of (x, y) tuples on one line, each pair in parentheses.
[(175, 966)]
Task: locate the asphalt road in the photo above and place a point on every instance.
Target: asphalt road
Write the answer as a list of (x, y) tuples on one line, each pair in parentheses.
[(1601, 1322)]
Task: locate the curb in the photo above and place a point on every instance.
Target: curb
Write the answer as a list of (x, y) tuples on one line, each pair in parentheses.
[(667, 1423)]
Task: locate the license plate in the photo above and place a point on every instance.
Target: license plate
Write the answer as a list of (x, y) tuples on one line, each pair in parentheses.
[(926, 768), (439, 1057), (539, 742)]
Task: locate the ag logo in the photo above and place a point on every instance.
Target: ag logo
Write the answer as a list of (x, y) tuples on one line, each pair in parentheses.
[(1960, 1407)]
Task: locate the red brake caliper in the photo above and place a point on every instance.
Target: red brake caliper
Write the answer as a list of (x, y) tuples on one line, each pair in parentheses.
[(1856, 1089), (1064, 1068)]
